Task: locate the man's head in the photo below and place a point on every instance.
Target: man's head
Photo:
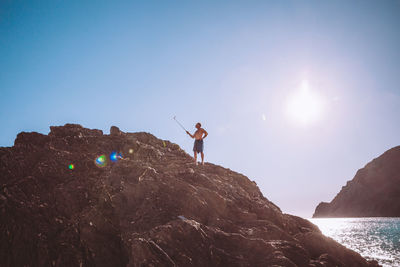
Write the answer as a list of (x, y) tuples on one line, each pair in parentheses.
[(198, 125)]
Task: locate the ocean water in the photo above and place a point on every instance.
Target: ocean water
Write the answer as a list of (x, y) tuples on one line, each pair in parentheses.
[(373, 238)]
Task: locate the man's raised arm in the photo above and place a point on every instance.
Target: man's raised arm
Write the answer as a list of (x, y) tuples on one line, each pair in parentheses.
[(190, 134)]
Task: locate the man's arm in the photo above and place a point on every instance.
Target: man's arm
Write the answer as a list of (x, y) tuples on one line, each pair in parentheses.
[(190, 134), (205, 134)]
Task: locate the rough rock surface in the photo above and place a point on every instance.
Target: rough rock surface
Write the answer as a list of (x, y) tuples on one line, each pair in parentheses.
[(373, 192), (154, 207)]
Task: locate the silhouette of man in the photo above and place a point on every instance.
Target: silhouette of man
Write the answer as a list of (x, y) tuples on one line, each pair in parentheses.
[(198, 146)]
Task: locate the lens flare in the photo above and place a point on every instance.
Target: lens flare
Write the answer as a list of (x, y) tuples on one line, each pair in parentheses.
[(263, 117), (101, 161), (71, 166), (115, 156)]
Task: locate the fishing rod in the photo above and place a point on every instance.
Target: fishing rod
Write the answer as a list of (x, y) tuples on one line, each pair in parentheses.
[(179, 124)]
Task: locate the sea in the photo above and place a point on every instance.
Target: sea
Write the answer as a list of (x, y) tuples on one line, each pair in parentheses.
[(374, 238)]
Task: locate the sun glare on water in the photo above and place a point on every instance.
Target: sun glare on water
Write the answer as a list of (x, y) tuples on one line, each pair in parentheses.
[(305, 106)]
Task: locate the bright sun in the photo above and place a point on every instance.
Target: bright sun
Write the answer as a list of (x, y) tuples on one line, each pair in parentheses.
[(305, 106)]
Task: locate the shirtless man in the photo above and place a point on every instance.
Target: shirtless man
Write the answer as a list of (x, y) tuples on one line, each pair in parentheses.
[(198, 142)]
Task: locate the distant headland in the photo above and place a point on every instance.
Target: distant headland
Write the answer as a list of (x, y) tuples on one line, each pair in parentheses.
[(373, 192)]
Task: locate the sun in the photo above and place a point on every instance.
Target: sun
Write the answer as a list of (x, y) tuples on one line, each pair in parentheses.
[(305, 106)]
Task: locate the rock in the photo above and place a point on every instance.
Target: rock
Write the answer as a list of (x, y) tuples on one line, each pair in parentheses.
[(114, 130), (373, 192), (32, 138), (153, 207), (73, 130)]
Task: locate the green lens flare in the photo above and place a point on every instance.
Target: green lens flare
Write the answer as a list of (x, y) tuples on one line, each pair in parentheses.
[(101, 161)]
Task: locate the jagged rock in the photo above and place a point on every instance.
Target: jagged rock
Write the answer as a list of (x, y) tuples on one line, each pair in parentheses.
[(73, 130), (154, 207), (114, 130), (373, 192)]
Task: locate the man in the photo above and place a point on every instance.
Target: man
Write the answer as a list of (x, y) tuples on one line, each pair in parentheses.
[(198, 136)]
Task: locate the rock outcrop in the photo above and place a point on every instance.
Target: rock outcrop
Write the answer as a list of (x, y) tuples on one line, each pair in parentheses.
[(64, 204), (373, 192)]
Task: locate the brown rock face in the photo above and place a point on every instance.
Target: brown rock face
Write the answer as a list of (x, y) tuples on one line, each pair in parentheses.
[(58, 207), (373, 192)]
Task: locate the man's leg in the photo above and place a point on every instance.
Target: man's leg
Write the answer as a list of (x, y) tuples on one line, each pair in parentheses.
[(195, 157), (202, 158)]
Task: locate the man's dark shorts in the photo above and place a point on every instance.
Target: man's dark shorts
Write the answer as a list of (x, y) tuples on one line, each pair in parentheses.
[(198, 146)]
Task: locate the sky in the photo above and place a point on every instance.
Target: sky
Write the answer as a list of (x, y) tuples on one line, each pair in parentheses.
[(296, 95)]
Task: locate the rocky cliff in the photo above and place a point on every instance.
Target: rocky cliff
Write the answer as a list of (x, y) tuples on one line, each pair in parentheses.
[(373, 192), (65, 202)]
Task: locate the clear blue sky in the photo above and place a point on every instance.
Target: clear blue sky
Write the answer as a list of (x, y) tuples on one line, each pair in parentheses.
[(231, 65)]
